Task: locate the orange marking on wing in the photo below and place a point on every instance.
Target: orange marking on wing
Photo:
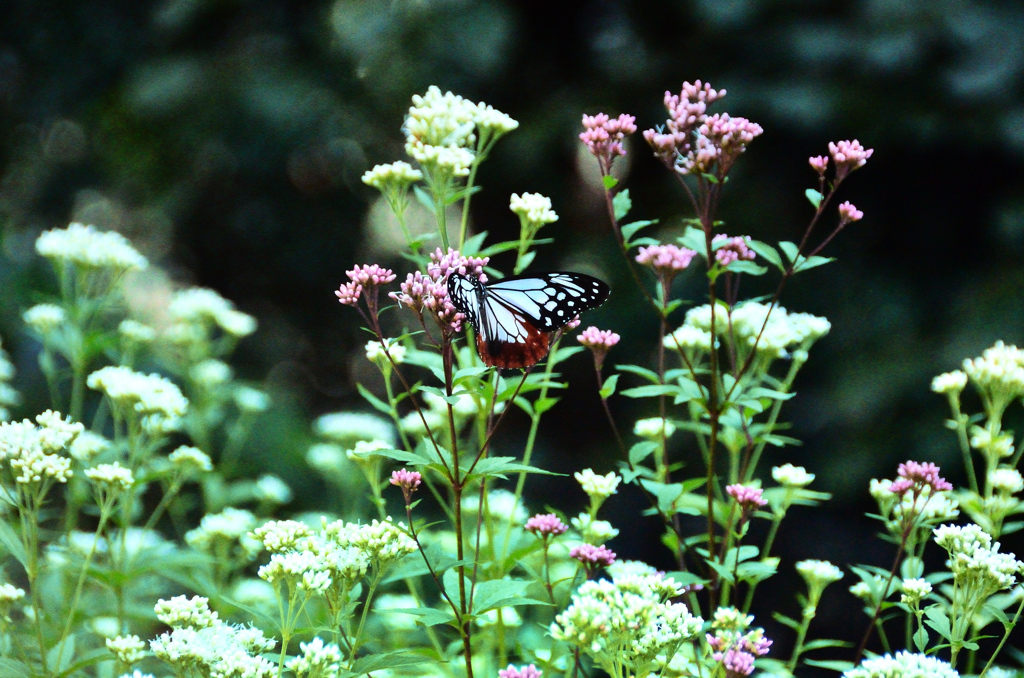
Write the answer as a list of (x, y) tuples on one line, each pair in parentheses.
[(508, 355)]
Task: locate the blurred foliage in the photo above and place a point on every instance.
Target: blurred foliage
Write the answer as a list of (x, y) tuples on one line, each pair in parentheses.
[(226, 139)]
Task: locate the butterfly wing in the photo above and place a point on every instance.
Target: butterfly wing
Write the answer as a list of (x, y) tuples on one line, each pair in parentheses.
[(506, 338), (549, 300)]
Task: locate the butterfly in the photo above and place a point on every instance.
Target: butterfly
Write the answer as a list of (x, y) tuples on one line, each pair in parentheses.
[(514, 317)]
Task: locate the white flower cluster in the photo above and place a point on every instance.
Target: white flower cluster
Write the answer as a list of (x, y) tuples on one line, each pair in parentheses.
[(211, 373), (9, 595), (366, 450), (784, 332), (914, 591), (689, 338), (32, 451), (598, 486), (593, 531), (397, 175), (818, 574), (158, 400), (533, 208), (128, 649), (279, 536), (500, 505), (87, 445), (44, 318), (383, 541), (231, 526), (975, 560), (136, 332), (317, 660), (111, 476), (924, 509), (436, 413), (998, 374), (87, 247), (950, 382), (441, 130), (903, 665), (199, 640), (206, 308), (189, 461), (250, 400), (271, 489), (794, 477), (652, 428), (375, 352), (345, 428), (8, 396), (1006, 481), (627, 619)]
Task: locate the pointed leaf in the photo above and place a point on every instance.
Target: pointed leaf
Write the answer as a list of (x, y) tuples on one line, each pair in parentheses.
[(609, 386), (621, 204)]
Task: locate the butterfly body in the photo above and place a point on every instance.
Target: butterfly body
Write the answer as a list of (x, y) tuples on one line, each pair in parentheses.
[(514, 317)]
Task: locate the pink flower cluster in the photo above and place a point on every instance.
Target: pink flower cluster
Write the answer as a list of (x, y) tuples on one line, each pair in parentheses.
[(666, 260), (819, 163), (720, 138), (599, 342), (604, 137), (408, 481), (916, 476), (530, 671), (367, 277), (545, 525), (732, 249), (848, 213), (848, 156), (593, 556), (749, 498), (442, 264), (738, 656), (573, 324)]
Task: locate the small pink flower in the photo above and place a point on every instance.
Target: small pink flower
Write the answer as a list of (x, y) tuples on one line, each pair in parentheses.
[(442, 264), (848, 213), (916, 476), (593, 556), (530, 671), (572, 324), (715, 642), (749, 498), (545, 525), (604, 136), (370, 274), (848, 156), (414, 291), (819, 163), (448, 318), (599, 342), (732, 249), (758, 645), (408, 481), (737, 663), (666, 260), (349, 293), (673, 144)]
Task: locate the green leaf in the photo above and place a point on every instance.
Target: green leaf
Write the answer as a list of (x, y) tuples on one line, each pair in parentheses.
[(921, 639), (724, 571), (380, 662), (629, 230), (790, 248), (85, 660), (749, 267), (524, 262), (814, 197), (939, 621), (693, 238), (609, 182), (647, 374), (825, 642), (473, 244), (710, 178), (497, 466), (652, 390), (767, 252), (609, 386), (639, 452), (621, 204), (542, 405), (424, 198), (377, 403), (830, 664), (12, 542), (786, 621), (16, 669), (758, 571), (813, 262), (405, 457), (58, 658)]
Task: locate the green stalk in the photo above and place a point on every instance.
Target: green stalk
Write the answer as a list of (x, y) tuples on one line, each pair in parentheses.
[(965, 446), (1006, 635), (801, 635)]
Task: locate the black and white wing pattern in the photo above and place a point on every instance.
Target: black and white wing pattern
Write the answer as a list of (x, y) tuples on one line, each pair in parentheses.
[(514, 317)]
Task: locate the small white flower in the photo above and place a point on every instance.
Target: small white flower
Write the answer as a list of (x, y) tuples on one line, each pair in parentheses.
[(210, 373), (1006, 480), (950, 382), (87, 445), (791, 476), (534, 208), (251, 400), (818, 572), (366, 450), (317, 659), (129, 649), (903, 665), (652, 428), (230, 525), (146, 394), (281, 535), (136, 332), (113, 476), (348, 427), (394, 175), (188, 460), (86, 247), (598, 486), (44, 318), (272, 489), (914, 591), (179, 611), (593, 531), (375, 352), (688, 337)]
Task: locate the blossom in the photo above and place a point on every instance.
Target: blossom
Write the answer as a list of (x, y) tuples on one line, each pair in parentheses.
[(598, 486), (408, 481), (1006, 480), (211, 372), (278, 536), (533, 208), (748, 498), (368, 277), (317, 659), (599, 342), (227, 529), (998, 375), (137, 332), (728, 250), (592, 530), (271, 489), (848, 156), (848, 213), (689, 339), (819, 163), (915, 475), (8, 396), (593, 556), (111, 476), (950, 383), (33, 450), (250, 400), (530, 671), (146, 395), (44, 318), (180, 612), (346, 428), (687, 111), (914, 591), (128, 649), (189, 460), (366, 450), (545, 525), (89, 248), (440, 132), (205, 308), (87, 445), (666, 260), (217, 649), (790, 476), (376, 353), (902, 665), (397, 175), (653, 428), (604, 137), (443, 264), (977, 565)]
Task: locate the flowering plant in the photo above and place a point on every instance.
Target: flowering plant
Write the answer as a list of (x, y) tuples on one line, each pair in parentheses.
[(467, 582)]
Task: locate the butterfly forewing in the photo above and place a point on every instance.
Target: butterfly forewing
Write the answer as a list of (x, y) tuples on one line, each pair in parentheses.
[(550, 300)]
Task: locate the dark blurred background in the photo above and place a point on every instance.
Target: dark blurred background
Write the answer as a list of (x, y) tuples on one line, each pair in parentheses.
[(227, 139)]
